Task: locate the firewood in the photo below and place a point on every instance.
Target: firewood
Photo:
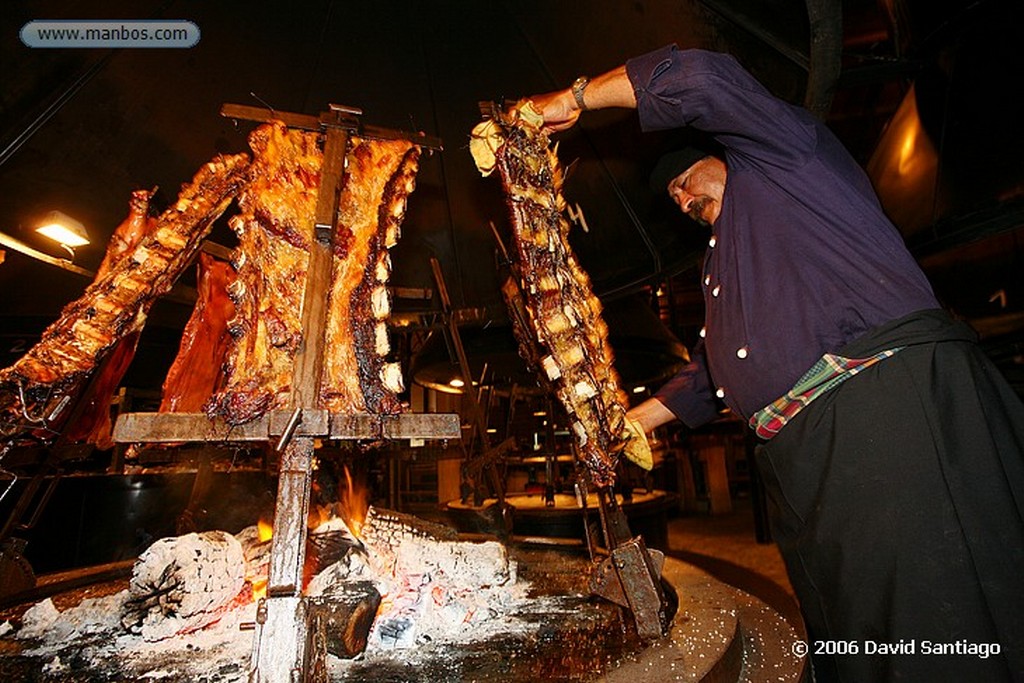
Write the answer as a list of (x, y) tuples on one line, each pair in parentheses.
[(341, 621), (183, 583)]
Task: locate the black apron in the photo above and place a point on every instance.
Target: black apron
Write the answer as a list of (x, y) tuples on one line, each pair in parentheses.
[(897, 501)]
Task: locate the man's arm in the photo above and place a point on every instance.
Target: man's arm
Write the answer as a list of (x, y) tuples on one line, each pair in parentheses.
[(611, 89), (650, 415), (708, 91)]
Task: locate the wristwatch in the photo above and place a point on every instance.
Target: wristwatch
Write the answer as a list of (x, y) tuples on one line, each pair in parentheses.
[(578, 86)]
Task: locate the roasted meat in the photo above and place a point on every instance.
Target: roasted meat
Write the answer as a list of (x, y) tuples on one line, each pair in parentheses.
[(249, 371), (357, 378), (275, 232), (197, 370), (37, 389), (562, 311), (132, 230), (93, 424)]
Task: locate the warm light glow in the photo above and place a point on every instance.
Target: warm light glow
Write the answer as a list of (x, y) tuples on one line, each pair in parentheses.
[(904, 169), (265, 530), (908, 147), (318, 514), (639, 390), (64, 230), (457, 383), (539, 413)]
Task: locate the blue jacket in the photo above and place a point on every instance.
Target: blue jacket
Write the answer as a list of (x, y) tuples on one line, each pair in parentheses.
[(803, 260)]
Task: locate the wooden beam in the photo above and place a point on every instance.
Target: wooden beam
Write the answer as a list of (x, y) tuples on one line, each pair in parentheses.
[(197, 427)]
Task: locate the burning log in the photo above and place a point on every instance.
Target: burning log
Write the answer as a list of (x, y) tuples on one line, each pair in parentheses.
[(183, 584), (341, 621), (430, 582), (498, 620)]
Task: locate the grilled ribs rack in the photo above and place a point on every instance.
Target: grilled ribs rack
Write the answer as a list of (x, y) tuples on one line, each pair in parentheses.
[(557, 321), (285, 646)]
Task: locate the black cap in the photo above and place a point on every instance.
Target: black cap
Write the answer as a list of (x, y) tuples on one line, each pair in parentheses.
[(673, 163)]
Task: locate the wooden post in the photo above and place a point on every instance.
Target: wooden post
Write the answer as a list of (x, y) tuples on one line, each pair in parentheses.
[(711, 455), (283, 631)]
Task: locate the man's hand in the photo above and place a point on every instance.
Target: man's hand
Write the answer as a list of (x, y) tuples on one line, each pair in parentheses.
[(638, 449), (558, 109)]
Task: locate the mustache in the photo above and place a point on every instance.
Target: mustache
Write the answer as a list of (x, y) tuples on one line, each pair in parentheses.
[(696, 211)]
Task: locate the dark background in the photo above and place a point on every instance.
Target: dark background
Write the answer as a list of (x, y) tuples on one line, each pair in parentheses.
[(80, 129)]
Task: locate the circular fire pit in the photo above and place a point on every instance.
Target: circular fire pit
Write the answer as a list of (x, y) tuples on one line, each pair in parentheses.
[(719, 634), (545, 625)]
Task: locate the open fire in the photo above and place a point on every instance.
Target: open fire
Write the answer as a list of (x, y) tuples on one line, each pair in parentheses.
[(410, 583)]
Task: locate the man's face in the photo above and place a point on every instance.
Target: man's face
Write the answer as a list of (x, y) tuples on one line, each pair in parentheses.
[(698, 190)]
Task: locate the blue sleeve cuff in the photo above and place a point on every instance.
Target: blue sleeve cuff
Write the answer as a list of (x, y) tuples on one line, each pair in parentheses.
[(688, 395)]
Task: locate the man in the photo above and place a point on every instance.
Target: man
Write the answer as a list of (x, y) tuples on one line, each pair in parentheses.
[(891, 448)]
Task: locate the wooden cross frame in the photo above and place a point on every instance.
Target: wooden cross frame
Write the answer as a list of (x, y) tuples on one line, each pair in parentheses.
[(281, 646), (281, 649)]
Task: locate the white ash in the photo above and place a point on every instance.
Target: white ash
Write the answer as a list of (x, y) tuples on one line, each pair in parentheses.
[(92, 632), (92, 616), (256, 553), (433, 588), (435, 591), (55, 667), (184, 583)]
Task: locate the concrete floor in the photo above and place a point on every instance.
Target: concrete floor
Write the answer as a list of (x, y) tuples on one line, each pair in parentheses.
[(726, 547)]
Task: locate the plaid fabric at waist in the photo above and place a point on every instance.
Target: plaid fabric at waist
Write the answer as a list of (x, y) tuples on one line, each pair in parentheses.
[(829, 372)]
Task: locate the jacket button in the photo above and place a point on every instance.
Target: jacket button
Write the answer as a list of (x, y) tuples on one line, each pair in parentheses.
[(720, 393), (742, 352), (703, 332), (712, 242), (716, 290)]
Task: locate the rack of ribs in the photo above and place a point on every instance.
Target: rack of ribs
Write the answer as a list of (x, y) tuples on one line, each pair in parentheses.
[(275, 230), (36, 390), (563, 313), (357, 378), (93, 424)]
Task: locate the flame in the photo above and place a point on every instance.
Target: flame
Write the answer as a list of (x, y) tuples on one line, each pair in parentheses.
[(258, 583), (265, 530), (353, 503)]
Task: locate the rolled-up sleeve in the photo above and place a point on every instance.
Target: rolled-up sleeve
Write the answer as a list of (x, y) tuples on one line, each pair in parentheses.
[(712, 92), (688, 394)]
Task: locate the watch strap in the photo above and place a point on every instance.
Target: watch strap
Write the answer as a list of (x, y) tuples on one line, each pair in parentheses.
[(578, 86)]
